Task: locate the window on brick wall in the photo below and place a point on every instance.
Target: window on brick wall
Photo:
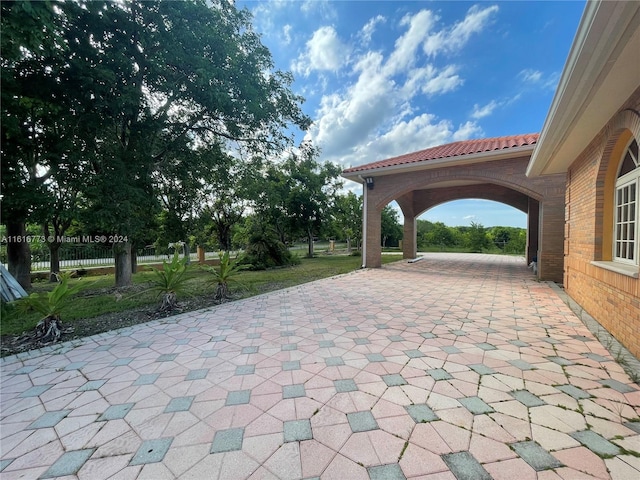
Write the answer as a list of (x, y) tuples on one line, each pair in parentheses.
[(626, 245)]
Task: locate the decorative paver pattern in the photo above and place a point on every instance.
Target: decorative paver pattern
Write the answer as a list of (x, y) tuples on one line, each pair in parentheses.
[(458, 366)]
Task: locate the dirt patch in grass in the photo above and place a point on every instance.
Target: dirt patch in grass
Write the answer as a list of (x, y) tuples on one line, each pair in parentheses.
[(12, 344)]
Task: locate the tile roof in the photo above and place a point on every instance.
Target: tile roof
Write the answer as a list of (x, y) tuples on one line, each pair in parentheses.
[(455, 149)]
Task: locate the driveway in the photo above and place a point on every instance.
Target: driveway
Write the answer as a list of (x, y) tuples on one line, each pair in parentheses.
[(456, 366)]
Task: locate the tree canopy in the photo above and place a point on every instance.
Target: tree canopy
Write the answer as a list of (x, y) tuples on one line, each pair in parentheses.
[(113, 92)]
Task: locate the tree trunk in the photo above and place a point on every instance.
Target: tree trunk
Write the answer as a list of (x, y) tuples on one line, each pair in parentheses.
[(122, 256), (54, 261), (187, 253), (19, 253), (348, 245), (310, 235), (134, 259)]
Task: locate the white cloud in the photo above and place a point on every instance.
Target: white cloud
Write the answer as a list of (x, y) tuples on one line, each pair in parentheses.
[(406, 46), (317, 8), (324, 52), (286, 33), (453, 39), (445, 81), (373, 117), (530, 76), (484, 111), (467, 130), (368, 30), (537, 78)]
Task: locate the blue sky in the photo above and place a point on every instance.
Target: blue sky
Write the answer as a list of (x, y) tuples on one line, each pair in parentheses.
[(384, 78)]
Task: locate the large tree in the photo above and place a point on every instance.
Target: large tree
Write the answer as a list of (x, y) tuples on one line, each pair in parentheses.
[(310, 190), (32, 51), (138, 79), (391, 229), (347, 217)]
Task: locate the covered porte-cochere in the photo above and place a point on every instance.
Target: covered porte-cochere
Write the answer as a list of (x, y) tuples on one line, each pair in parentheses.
[(490, 169)]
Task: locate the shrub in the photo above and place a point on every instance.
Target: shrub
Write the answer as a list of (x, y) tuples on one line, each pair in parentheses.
[(223, 274), (265, 250), (170, 281), (50, 305)]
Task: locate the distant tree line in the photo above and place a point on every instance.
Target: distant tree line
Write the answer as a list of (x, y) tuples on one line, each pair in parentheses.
[(473, 238)]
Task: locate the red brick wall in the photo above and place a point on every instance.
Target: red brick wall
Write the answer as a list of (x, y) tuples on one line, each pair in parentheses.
[(613, 299)]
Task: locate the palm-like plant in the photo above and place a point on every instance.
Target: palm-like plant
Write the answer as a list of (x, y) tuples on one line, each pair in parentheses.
[(223, 274), (50, 305), (170, 281)]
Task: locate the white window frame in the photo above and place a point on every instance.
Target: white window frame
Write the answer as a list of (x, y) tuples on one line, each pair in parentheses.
[(626, 228)]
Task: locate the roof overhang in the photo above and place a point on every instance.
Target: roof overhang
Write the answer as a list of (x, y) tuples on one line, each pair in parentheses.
[(468, 159), (601, 72)]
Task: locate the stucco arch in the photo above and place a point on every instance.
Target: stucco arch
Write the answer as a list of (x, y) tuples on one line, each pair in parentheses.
[(494, 169)]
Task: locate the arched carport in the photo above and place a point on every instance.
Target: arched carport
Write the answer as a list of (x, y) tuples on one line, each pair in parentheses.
[(491, 169)]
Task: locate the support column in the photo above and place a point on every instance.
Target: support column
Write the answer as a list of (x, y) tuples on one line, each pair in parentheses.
[(533, 221), (409, 248), (409, 234), (371, 231), (372, 236), (551, 237)]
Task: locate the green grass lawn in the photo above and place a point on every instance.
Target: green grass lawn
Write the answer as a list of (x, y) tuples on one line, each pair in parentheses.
[(97, 297)]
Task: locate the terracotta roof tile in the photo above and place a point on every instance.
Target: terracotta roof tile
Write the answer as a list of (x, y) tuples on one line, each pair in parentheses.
[(455, 149)]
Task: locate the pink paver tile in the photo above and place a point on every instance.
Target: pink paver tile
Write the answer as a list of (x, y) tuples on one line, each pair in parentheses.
[(548, 475), (36, 472), (631, 443), (262, 474), (387, 447), (512, 408), (609, 429), (328, 416), (519, 429), (359, 449), (441, 402), (623, 467), (510, 469), (557, 418), (552, 439), (333, 436), (567, 473), (285, 463), (384, 408), (486, 426), (459, 416), (341, 468), (125, 444), (447, 475), (262, 425), (42, 456), (315, 457), (103, 468), (306, 407), (486, 450), (208, 467), (417, 461), (584, 460), (261, 447)]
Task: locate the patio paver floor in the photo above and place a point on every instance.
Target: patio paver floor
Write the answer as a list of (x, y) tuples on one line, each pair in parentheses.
[(457, 366)]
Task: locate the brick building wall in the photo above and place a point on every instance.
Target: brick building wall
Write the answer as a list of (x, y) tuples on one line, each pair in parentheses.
[(612, 298)]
